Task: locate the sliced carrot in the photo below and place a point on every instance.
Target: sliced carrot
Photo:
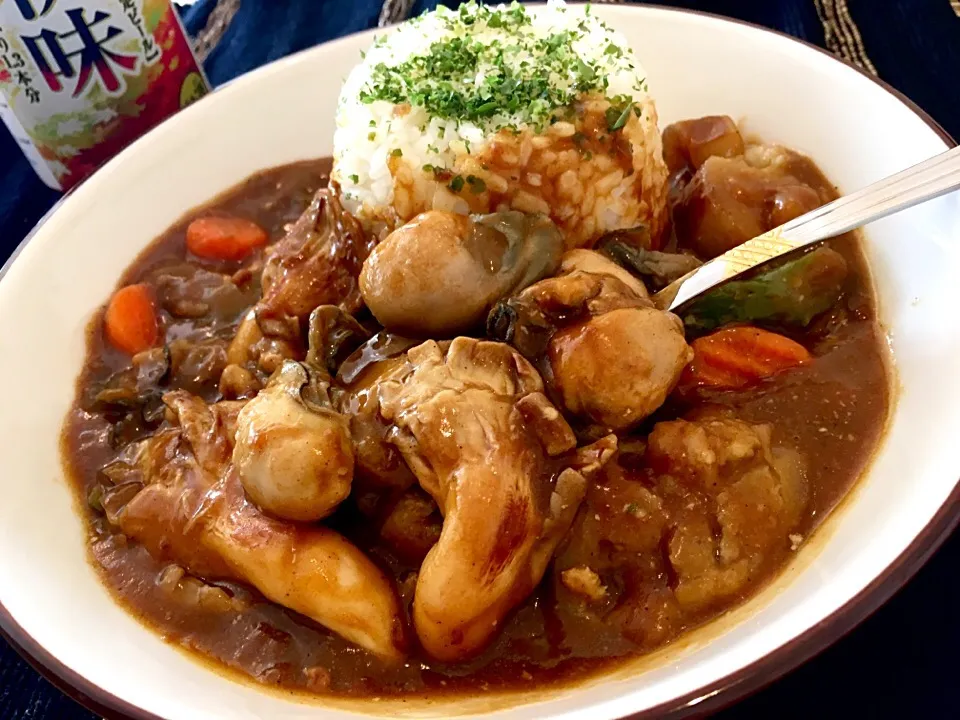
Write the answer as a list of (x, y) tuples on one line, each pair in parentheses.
[(131, 320), (224, 238), (734, 358)]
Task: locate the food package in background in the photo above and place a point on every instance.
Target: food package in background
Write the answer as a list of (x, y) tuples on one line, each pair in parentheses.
[(82, 79)]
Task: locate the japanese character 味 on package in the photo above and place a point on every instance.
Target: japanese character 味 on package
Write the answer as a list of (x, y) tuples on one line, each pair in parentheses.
[(81, 79)]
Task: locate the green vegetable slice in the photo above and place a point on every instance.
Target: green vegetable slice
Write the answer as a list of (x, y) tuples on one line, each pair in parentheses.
[(792, 294)]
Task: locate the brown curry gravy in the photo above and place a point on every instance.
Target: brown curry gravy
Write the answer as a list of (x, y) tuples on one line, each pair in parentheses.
[(833, 411)]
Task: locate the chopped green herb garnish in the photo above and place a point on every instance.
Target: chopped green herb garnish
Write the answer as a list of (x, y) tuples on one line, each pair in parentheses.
[(396, 152), (515, 77), (371, 136), (456, 184), (631, 508), (586, 74), (477, 185), (439, 173), (355, 179), (620, 121), (619, 112)]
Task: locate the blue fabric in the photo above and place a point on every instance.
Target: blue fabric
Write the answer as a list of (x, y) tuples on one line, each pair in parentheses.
[(902, 662)]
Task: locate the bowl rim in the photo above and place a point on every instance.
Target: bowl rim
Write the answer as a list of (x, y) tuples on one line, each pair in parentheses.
[(706, 699)]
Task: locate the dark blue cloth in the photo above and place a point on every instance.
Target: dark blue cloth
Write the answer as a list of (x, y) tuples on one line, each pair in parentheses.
[(902, 662)]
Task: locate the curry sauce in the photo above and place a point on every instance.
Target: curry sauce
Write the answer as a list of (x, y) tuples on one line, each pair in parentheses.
[(621, 599)]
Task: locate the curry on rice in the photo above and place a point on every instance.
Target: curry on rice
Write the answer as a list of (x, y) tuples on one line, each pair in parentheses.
[(372, 439)]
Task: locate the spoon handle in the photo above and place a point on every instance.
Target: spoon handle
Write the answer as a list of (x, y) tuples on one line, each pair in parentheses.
[(925, 181)]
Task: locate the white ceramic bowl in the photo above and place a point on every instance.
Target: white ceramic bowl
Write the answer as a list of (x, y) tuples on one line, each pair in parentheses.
[(53, 605)]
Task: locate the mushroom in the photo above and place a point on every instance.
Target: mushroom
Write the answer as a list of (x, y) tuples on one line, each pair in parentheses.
[(442, 272), (293, 451), (610, 356)]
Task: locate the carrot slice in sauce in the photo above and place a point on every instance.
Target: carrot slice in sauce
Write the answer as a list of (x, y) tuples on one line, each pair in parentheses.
[(737, 357), (224, 238), (131, 320)]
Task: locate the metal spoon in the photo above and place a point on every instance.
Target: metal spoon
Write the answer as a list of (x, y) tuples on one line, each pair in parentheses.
[(925, 181)]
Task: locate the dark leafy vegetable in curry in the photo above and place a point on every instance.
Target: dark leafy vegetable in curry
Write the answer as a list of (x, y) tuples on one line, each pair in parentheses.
[(534, 480)]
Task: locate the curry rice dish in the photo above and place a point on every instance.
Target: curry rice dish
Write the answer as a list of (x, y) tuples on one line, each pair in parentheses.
[(406, 420)]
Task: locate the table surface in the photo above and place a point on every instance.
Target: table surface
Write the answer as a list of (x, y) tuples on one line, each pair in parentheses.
[(903, 660)]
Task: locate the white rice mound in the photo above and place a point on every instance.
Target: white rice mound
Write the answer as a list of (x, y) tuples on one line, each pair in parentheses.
[(589, 166)]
